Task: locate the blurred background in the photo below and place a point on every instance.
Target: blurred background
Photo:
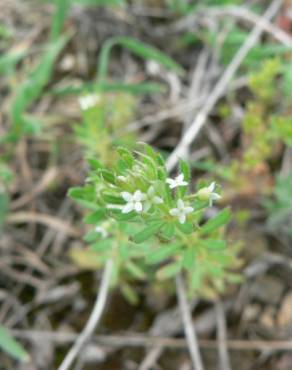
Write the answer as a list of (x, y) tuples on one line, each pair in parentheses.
[(81, 77)]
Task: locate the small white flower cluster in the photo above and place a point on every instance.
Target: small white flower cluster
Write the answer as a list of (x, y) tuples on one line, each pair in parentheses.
[(182, 210), (139, 201), (89, 101), (178, 181)]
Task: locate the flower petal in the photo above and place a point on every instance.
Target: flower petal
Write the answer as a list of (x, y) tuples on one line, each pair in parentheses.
[(180, 178), (151, 191), (182, 218), (188, 210), (127, 196), (174, 212), (157, 200), (128, 207), (212, 186), (180, 204), (139, 196), (146, 206), (215, 196), (138, 207)]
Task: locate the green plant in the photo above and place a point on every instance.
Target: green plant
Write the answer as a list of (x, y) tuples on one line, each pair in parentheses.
[(5, 179), (280, 208), (138, 48), (105, 115), (13, 348), (152, 227), (36, 80), (266, 126)]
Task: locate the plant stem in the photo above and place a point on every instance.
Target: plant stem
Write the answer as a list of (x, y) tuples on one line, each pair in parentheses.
[(190, 333), (221, 337), (93, 319)]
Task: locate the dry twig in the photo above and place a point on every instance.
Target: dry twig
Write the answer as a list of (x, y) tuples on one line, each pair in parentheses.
[(221, 337), (40, 218), (191, 336), (220, 87), (94, 318), (138, 340)]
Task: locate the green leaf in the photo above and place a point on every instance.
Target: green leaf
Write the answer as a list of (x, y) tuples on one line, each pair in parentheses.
[(11, 346), (95, 217), (9, 60), (83, 196), (185, 169), (169, 271), (137, 47), (147, 232), (213, 244), (82, 193), (186, 228), (112, 198), (130, 294), (4, 205), (108, 176), (94, 164), (127, 156), (196, 278), (162, 253), (102, 245), (150, 152), (91, 236), (189, 258), (135, 270), (123, 216), (216, 222), (62, 7), (168, 230), (32, 87), (146, 88)]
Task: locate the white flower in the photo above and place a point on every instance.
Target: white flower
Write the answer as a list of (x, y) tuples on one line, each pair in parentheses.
[(151, 198), (208, 193), (134, 201), (101, 230), (88, 101), (178, 181), (181, 211), (122, 178)]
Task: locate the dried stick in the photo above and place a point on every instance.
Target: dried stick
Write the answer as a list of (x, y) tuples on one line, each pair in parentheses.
[(190, 333), (221, 337), (140, 340), (44, 219), (93, 319), (220, 87), (245, 14)]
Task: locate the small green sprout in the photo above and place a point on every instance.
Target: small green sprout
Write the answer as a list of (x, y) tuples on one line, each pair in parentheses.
[(152, 226)]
